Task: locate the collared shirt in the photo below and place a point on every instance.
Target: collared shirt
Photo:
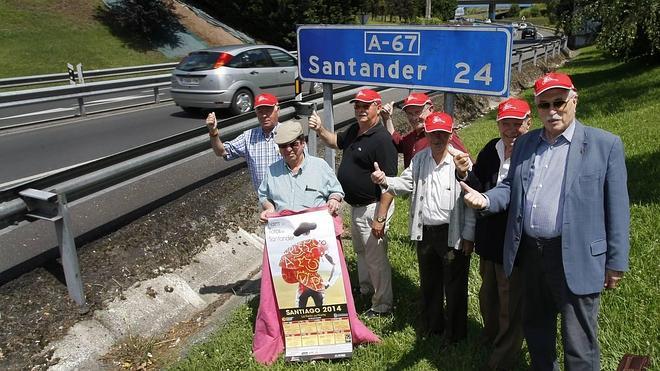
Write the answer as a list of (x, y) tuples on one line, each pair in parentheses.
[(544, 201), (438, 201), (357, 162), (409, 144), (310, 186), (258, 149), (504, 163)]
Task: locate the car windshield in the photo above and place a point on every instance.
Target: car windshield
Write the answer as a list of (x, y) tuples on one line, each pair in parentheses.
[(198, 61)]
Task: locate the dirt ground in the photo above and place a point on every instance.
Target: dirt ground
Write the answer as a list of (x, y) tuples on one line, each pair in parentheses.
[(35, 308)]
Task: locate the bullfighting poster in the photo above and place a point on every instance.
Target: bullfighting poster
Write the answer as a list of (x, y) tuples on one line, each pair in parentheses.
[(308, 282)]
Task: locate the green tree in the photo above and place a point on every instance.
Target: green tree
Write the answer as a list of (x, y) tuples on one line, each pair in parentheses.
[(514, 10), (144, 23), (628, 28)]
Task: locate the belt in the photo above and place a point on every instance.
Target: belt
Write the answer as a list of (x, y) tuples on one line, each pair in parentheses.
[(363, 205), (541, 242), (435, 227)]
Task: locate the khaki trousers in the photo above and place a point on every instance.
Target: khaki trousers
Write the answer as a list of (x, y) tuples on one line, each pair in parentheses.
[(374, 269)]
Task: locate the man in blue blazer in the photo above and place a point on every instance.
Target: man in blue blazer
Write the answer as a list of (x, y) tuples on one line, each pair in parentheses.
[(567, 226)]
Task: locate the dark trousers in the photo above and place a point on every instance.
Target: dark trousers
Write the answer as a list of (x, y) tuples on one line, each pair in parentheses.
[(546, 296), (443, 274), (306, 294), (500, 303)]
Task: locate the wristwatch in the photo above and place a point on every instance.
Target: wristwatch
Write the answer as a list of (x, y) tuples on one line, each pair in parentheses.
[(381, 219)]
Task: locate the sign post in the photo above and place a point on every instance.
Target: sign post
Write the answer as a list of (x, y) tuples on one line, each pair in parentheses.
[(470, 60)]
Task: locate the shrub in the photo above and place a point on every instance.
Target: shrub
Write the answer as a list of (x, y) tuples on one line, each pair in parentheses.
[(144, 23)]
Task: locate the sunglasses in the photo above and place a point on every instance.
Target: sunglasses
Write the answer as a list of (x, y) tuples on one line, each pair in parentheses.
[(558, 104), (295, 144)]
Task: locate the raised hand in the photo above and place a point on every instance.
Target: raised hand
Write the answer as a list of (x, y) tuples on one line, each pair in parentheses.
[(378, 176), (315, 122), (211, 121), (462, 162), (472, 198), (386, 111)]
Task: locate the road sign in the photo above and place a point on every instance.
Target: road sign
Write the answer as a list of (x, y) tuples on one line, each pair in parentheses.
[(473, 60)]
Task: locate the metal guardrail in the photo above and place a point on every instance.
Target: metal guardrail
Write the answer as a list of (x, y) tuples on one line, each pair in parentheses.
[(87, 75)]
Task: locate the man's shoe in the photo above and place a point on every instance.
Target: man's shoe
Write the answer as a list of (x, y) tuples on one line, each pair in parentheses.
[(372, 313)]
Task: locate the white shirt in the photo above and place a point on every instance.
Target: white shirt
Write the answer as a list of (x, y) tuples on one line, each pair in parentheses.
[(438, 202), (504, 164)]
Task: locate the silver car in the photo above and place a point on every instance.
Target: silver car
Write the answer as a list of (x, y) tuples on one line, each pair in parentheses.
[(230, 77)]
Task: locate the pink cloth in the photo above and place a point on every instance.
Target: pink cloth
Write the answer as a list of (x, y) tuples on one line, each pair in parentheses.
[(268, 340)]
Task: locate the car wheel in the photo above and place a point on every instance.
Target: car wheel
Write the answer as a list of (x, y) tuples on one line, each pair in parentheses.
[(242, 102)]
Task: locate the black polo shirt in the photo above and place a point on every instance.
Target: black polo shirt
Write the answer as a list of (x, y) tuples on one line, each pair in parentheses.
[(357, 163)]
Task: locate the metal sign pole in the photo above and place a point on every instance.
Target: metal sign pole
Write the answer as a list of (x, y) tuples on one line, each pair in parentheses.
[(450, 98), (328, 121)]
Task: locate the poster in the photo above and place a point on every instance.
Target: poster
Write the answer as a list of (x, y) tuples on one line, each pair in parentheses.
[(309, 287)]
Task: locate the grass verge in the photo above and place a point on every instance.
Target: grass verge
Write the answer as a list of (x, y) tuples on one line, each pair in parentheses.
[(621, 98), (41, 37)]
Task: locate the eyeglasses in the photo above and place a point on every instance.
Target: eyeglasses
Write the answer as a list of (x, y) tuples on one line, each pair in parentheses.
[(295, 144), (557, 105)]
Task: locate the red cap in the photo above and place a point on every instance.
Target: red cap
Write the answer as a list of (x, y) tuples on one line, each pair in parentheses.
[(553, 80), (416, 99), (367, 96), (513, 108), (265, 99), (438, 121)]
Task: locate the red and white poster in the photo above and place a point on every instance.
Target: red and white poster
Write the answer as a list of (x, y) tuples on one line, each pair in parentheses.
[(308, 282)]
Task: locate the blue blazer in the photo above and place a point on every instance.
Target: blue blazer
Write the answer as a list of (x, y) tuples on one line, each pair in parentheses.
[(596, 216)]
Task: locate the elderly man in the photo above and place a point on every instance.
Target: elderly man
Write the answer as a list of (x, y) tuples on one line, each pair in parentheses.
[(364, 143), (297, 181), (500, 297), (442, 227), (255, 145), (417, 106), (568, 225)]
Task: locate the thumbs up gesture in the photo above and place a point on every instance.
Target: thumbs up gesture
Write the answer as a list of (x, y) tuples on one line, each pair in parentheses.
[(378, 176), (472, 198), (315, 122), (462, 163)]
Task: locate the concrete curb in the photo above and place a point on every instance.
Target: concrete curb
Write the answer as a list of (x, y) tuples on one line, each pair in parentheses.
[(151, 307)]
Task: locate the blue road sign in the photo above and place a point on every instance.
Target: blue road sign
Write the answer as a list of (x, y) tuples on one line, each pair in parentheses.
[(473, 60)]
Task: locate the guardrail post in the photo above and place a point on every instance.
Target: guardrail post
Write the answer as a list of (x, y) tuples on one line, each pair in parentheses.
[(156, 95), (535, 50), (53, 207), (520, 61), (545, 53), (328, 121), (81, 106), (81, 77)]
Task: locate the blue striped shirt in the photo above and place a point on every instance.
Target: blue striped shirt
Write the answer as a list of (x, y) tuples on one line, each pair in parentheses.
[(544, 201), (258, 150)]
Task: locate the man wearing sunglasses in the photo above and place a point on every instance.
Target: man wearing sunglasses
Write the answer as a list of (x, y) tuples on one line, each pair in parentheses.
[(255, 145), (297, 181), (363, 144), (417, 106), (568, 225)]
